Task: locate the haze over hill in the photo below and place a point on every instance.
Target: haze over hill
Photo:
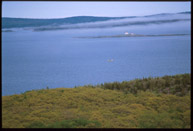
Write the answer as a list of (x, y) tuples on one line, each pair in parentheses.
[(26, 22), (92, 21)]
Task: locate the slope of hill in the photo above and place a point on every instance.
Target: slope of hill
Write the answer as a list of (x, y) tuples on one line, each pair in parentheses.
[(26, 22), (162, 102)]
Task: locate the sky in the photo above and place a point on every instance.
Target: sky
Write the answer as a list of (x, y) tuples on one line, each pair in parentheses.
[(30, 9)]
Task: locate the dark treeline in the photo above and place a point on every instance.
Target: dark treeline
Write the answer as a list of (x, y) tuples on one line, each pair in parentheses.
[(178, 85)]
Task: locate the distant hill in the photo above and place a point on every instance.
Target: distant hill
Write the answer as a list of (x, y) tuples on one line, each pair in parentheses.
[(26, 22), (186, 12)]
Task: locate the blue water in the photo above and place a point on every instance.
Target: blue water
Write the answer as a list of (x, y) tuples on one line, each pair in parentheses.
[(35, 60)]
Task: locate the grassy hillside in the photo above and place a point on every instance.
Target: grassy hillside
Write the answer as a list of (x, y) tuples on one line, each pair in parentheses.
[(142, 103)]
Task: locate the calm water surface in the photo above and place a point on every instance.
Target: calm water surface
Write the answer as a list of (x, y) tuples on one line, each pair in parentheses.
[(34, 60)]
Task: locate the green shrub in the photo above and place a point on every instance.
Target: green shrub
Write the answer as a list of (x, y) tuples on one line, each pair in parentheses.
[(77, 123), (36, 124)]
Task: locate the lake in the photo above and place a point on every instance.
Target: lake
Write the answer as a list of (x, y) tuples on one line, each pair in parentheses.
[(34, 60)]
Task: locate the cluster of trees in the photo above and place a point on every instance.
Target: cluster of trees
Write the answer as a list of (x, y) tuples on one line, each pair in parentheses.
[(177, 85), (104, 107)]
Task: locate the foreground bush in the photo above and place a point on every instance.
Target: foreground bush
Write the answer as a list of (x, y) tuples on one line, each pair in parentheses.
[(77, 123)]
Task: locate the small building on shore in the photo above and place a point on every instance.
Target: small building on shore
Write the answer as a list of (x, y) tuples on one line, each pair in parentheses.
[(126, 33)]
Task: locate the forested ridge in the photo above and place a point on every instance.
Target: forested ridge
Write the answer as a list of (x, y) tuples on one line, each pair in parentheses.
[(26, 22), (8, 22), (161, 102)]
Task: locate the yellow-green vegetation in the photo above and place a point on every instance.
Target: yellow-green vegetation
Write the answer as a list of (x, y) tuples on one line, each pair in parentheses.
[(147, 103)]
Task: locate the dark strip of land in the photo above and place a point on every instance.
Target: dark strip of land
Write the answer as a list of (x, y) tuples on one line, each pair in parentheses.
[(134, 35)]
